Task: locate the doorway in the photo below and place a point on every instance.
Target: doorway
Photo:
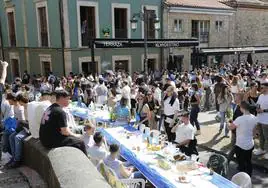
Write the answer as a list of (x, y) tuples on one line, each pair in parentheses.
[(121, 65), (15, 67)]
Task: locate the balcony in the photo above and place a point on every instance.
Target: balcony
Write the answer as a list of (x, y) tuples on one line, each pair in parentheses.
[(121, 33), (89, 34)]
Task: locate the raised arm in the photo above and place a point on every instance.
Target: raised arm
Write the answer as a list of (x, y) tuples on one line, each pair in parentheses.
[(3, 75)]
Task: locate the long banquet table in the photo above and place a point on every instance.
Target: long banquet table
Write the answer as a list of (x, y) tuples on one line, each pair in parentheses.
[(145, 162)]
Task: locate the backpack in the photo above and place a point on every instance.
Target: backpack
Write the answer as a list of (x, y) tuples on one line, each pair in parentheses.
[(219, 164)]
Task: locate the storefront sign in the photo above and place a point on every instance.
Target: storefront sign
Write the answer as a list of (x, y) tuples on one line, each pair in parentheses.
[(139, 43)]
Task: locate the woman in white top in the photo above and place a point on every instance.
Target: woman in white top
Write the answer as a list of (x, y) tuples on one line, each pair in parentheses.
[(245, 126), (235, 89)]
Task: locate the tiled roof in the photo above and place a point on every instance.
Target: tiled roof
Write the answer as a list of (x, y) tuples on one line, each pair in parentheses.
[(198, 3)]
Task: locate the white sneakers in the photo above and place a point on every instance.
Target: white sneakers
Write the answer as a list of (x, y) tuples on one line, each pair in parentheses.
[(259, 152)]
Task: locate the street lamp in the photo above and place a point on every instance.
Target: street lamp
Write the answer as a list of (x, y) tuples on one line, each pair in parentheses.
[(145, 16)]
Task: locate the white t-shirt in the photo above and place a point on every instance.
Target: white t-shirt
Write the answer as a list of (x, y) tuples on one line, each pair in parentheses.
[(114, 165), (19, 112), (234, 89), (184, 132), (88, 140), (170, 110), (35, 113), (96, 154), (6, 109), (244, 131), (263, 102), (157, 94)]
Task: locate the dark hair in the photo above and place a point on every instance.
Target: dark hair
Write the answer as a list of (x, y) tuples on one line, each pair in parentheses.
[(253, 84), (11, 96), (185, 114), (123, 101), (195, 86), (114, 148), (61, 93), (44, 93), (245, 105), (101, 81), (98, 137), (22, 98)]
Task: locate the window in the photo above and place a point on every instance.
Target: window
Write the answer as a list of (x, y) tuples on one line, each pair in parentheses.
[(15, 67), (177, 25), (88, 24), (218, 25), (46, 68), (195, 29), (90, 67), (11, 28), (43, 26), (150, 26), (120, 23), (121, 65), (200, 30)]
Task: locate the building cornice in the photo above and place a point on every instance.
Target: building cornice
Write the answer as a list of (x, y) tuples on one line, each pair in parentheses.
[(195, 10), (241, 4)]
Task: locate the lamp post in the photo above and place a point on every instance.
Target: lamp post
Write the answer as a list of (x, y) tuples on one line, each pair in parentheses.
[(145, 16)]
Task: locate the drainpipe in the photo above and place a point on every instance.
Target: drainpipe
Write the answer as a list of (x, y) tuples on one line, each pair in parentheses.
[(62, 36), (162, 34), (2, 43)]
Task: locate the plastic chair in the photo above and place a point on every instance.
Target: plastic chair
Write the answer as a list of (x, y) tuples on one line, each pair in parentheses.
[(134, 183), (112, 179), (242, 179)]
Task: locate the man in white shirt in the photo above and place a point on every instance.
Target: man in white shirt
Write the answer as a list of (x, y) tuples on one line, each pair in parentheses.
[(157, 92), (99, 150), (185, 135), (263, 119), (125, 92), (171, 109), (244, 145), (101, 92)]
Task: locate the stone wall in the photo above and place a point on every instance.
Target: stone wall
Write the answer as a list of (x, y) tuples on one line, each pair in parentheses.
[(64, 167), (222, 38), (251, 29)]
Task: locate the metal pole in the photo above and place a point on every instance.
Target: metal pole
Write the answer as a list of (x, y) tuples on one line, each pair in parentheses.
[(62, 36), (92, 53), (2, 43), (145, 13)]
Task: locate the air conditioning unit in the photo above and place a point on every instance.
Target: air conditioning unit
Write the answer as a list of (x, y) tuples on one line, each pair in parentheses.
[(7, 1)]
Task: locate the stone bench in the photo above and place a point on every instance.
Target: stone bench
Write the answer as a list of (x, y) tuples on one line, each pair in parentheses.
[(65, 167)]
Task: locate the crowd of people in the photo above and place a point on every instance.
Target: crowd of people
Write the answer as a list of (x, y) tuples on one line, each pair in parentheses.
[(167, 101)]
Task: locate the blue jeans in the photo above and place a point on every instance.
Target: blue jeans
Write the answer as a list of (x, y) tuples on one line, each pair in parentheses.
[(194, 116), (16, 143), (5, 142), (223, 122)]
